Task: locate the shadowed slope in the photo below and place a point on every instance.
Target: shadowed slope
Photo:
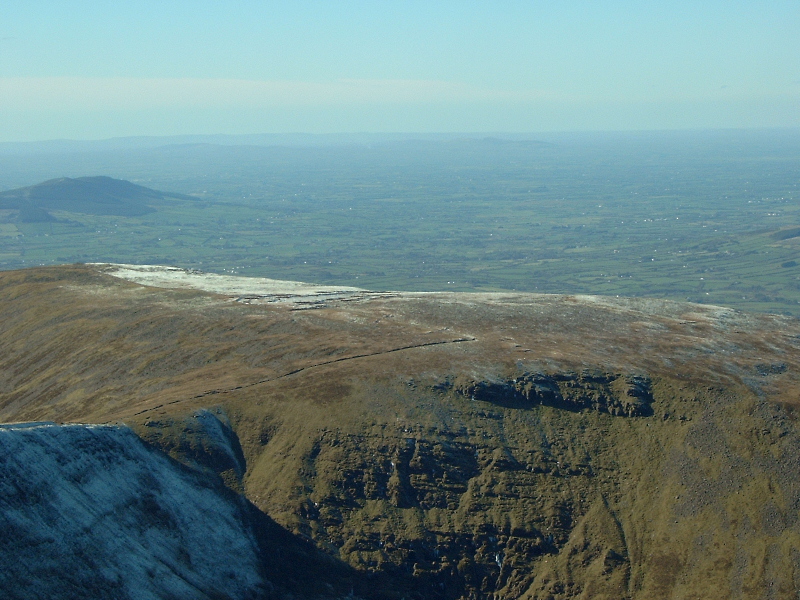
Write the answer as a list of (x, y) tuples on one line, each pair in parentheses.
[(91, 511)]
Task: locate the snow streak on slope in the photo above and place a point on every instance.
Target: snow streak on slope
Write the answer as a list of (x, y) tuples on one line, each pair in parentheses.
[(91, 511), (229, 285)]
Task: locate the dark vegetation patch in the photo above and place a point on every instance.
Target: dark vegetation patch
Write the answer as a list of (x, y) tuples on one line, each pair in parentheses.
[(765, 369), (786, 234), (28, 213)]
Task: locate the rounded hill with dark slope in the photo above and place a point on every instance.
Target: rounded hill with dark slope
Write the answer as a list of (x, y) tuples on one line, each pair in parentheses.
[(395, 445), (88, 195)]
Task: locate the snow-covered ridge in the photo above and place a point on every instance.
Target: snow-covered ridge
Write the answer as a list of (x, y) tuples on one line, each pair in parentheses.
[(244, 289), (91, 511)]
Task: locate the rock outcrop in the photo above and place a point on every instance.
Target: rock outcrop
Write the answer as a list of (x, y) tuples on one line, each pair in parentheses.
[(615, 394)]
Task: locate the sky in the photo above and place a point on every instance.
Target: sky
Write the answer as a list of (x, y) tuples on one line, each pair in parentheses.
[(100, 69)]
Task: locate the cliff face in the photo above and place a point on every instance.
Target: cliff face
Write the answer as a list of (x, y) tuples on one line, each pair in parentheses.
[(439, 445)]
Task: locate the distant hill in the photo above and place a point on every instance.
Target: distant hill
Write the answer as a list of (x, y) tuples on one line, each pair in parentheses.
[(89, 195)]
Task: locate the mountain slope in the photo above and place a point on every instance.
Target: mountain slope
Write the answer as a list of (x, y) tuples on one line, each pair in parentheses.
[(98, 494), (447, 445), (91, 511), (89, 195)]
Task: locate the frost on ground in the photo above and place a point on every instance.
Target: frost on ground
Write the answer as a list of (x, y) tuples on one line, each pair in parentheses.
[(90, 511), (228, 285)]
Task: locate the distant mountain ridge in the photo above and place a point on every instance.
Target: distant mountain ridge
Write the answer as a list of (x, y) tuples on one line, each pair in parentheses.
[(99, 195), (295, 140)]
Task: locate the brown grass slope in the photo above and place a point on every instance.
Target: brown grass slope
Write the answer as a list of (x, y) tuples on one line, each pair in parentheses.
[(454, 445)]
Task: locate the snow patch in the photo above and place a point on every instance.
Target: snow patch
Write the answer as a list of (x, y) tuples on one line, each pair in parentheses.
[(228, 285)]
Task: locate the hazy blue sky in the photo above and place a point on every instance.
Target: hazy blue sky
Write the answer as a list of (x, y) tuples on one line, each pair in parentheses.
[(97, 69)]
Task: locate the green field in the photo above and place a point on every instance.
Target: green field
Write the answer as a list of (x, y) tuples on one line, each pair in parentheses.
[(694, 218)]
